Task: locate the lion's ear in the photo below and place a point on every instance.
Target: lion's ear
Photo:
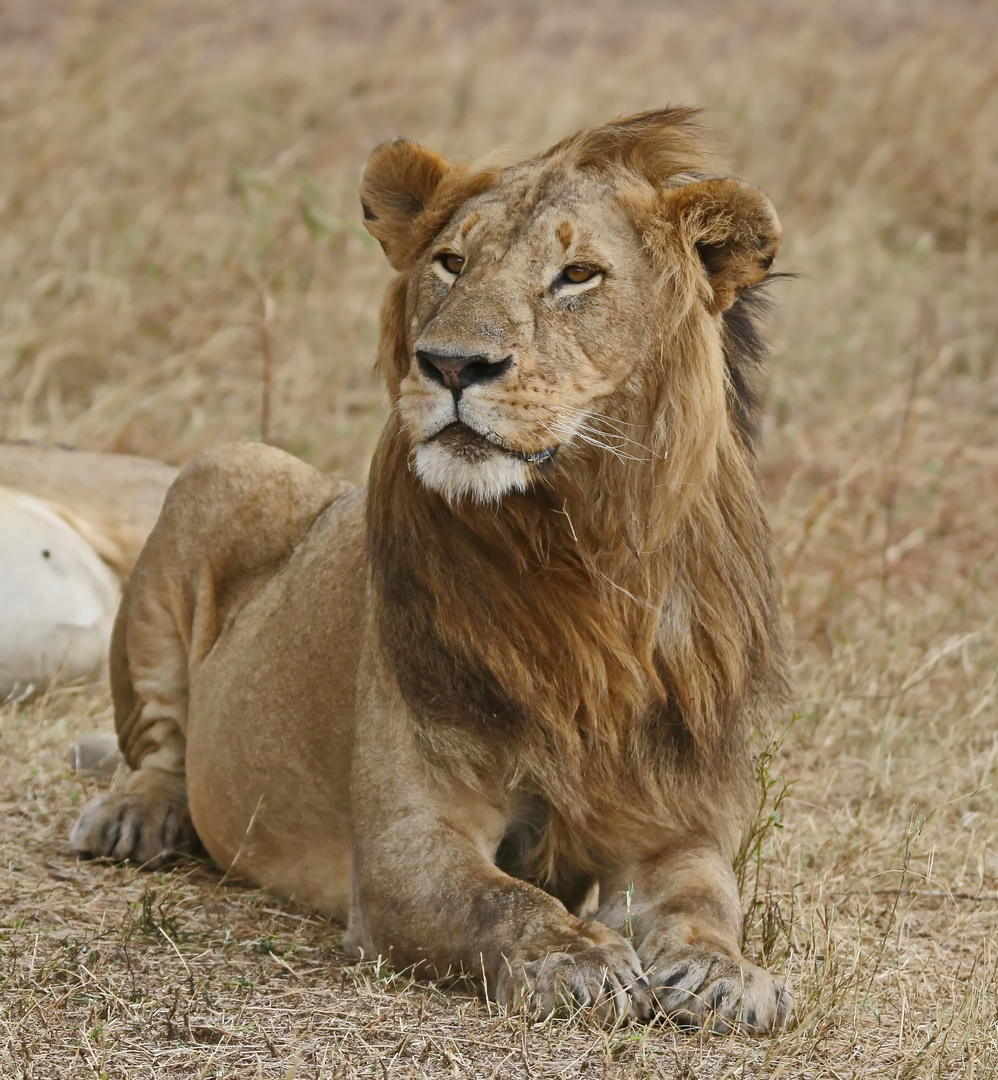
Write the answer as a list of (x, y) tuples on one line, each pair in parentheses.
[(399, 180), (734, 230)]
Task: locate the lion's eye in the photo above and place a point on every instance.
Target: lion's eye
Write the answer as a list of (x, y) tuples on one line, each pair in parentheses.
[(450, 262), (577, 274)]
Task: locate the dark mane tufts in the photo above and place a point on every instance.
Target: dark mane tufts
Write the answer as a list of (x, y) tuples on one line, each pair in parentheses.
[(745, 353)]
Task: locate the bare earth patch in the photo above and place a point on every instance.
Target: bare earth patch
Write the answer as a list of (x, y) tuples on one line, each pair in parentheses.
[(178, 203)]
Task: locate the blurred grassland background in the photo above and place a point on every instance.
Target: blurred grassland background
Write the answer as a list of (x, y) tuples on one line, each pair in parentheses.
[(178, 199)]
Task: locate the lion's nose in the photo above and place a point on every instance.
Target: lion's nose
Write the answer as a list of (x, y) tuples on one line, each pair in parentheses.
[(459, 372)]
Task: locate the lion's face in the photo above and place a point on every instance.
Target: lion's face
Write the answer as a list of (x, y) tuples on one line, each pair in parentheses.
[(534, 297), (515, 335)]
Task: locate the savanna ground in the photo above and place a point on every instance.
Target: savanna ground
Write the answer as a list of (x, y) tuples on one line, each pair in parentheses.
[(178, 201)]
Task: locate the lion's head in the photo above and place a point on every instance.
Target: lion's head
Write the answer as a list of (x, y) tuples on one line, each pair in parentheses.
[(544, 299)]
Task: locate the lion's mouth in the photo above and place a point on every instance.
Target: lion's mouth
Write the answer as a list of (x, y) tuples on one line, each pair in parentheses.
[(471, 445), (538, 457)]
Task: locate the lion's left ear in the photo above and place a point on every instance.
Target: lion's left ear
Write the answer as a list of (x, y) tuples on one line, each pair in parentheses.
[(734, 229), (399, 180)]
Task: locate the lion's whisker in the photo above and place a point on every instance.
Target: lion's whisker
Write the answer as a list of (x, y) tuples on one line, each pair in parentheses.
[(591, 439), (616, 423), (585, 421), (597, 440)]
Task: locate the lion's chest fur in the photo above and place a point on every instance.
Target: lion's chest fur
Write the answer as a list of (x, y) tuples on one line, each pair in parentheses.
[(506, 635), (530, 670)]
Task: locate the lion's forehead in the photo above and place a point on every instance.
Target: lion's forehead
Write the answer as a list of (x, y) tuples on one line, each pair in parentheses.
[(538, 212)]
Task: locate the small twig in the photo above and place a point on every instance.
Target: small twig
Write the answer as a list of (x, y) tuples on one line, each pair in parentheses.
[(524, 1053), (894, 466), (190, 977), (267, 344), (267, 310), (987, 898), (241, 848), (912, 834)]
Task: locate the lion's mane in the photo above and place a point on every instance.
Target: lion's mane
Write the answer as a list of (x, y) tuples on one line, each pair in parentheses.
[(613, 632)]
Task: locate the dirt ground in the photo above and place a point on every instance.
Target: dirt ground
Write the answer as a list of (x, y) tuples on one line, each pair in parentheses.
[(178, 199)]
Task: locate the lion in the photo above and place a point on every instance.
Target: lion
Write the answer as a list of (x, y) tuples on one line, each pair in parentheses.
[(72, 524), (494, 711)]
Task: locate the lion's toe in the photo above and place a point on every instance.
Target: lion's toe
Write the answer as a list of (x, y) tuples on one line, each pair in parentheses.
[(712, 991), (133, 828), (599, 976)]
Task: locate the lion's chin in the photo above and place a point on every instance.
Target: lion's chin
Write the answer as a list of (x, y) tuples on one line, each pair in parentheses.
[(460, 464)]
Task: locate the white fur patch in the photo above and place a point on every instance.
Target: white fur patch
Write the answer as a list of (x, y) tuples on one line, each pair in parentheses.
[(444, 471), (571, 288)]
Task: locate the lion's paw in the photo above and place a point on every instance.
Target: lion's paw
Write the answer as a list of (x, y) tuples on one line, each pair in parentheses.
[(698, 988), (133, 827), (597, 971)]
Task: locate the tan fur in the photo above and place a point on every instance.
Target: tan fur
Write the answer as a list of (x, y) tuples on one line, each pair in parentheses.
[(520, 670)]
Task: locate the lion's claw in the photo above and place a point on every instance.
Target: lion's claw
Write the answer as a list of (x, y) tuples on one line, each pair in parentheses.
[(701, 989), (602, 975), (133, 827)]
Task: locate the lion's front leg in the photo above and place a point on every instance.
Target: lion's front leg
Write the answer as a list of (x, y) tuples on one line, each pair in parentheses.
[(428, 895), (683, 913)]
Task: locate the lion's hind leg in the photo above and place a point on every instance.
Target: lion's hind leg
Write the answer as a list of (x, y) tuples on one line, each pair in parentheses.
[(232, 514), (146, 820)]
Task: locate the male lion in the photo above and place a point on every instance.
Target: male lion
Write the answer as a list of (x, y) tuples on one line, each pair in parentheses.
[(511, 682)]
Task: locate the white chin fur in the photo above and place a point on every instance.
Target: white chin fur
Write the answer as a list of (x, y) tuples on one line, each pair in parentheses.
[(482, 481)]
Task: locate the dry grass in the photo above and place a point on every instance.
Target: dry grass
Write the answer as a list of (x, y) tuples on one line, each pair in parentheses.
[(177, 195)]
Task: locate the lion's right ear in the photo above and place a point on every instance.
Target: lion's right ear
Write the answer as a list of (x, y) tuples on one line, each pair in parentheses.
[(399, 180), (733, 228)]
